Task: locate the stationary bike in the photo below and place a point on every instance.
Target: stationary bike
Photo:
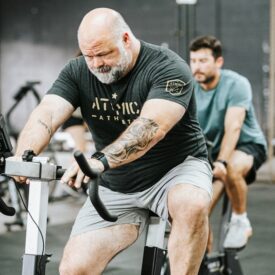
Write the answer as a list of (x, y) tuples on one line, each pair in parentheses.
[(222, 261), (40, 172)]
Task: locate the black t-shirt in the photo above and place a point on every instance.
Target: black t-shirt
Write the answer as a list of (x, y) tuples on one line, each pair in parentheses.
[(109, 109)]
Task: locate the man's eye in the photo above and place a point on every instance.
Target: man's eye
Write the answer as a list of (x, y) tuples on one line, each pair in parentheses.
[(103, 54)]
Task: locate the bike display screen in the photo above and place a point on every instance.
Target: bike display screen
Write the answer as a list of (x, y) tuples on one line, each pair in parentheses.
[(5, 144)]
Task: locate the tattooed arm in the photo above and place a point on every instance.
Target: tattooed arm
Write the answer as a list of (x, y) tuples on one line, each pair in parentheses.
[(42, 123), (157, 117)]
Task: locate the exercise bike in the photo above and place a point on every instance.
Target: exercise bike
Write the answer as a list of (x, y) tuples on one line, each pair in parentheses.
[(41, 172), (222, 261)]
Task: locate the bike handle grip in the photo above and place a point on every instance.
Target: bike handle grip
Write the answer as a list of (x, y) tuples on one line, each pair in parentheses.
[(93, 188), (59, 173)]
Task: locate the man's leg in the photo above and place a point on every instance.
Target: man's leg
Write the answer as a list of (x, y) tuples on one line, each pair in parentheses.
[(240, 229), (218, 190), (89, 253), (188, 209), (238, 167)]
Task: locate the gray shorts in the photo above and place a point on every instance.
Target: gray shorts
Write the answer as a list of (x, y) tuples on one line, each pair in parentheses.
[(134, 208)]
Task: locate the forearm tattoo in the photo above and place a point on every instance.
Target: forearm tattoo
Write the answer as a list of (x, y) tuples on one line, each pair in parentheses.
[(135, 139), (49, 130)]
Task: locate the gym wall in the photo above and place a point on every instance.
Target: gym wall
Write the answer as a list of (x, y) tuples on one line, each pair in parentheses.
[(38, 37)]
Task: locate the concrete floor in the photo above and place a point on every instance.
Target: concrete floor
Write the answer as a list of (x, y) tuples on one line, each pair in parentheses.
[(257, 259)]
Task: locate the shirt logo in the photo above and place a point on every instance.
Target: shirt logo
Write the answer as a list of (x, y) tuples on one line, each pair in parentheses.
[(124, 112), (175, 87)]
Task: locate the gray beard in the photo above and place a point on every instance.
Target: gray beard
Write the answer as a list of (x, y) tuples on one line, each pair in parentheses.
[(112, 76), (116, 72)]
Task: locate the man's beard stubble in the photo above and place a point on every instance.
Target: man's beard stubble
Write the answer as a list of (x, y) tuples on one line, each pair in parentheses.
[(107, 74), (207, 80)]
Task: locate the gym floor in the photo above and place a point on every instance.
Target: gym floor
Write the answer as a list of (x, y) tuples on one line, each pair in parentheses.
[(256, 259)]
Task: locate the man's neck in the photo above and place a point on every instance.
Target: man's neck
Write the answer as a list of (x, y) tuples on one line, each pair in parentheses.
[(136, 50)]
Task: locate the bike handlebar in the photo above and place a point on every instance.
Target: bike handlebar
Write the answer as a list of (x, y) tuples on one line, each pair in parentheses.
[(93, 188)]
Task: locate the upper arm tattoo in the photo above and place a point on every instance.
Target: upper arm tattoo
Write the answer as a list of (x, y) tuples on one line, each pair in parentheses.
[(48, 128), (135, 139)]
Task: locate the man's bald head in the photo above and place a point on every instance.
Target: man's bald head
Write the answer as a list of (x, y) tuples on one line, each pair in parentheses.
[(102, 22), (109, 47)]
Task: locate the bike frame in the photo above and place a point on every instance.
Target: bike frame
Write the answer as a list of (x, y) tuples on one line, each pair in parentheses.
[(40, 172)]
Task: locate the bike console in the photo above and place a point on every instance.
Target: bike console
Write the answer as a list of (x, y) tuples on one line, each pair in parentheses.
[(5, 151)]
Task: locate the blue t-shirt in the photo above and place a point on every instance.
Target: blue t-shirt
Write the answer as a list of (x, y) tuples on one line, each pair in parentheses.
[(233, 90)]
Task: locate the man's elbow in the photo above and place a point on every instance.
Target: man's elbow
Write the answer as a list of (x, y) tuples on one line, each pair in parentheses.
[(234, 129), (160, 135)]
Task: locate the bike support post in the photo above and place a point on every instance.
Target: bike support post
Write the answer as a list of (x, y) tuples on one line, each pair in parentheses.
[(40, 172), (34, 259), (154, 251)]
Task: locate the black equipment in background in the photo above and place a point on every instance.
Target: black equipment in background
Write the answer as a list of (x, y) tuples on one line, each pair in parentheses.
[(5, 151)]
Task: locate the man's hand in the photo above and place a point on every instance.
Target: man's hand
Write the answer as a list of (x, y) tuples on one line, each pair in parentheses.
[(219, 171), (74, 176)]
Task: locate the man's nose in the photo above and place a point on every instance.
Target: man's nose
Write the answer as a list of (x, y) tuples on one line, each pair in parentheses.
[(97, 62), (195, 66)]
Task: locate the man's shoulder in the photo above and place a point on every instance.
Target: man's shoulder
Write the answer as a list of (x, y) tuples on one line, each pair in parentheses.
[(160, 51), (77, 62), (233, 76), (160, 60), (76, 68), (234, 86)]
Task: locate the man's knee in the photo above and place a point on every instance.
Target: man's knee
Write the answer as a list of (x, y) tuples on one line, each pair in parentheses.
[(75, 266), (186, 201), (239, 166), (65, 268), (93, 250), (68, 267)]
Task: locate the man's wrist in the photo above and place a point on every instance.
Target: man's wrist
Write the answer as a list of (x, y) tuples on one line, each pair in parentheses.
[(224, 162), (102, 158)]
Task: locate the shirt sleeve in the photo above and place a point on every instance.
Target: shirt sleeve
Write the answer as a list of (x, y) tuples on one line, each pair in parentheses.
[(241, 94), (172, 81), (66, 84)]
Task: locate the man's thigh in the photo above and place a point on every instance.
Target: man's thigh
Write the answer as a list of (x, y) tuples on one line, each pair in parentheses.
[(121, 205), (99, 246), (192, 171)]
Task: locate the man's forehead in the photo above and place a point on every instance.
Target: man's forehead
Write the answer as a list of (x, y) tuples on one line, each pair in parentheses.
[(96, 46), (202, 53)]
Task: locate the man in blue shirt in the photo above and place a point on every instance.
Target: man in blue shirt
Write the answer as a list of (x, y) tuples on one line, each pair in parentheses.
[(226, 115)]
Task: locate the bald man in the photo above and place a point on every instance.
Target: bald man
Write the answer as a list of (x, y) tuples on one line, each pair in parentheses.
[(137, 100)]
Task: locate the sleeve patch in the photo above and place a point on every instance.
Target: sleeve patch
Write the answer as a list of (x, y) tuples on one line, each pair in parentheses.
[(175, 87)]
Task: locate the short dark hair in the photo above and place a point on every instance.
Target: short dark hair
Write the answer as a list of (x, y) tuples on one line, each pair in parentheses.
[(209, 42)]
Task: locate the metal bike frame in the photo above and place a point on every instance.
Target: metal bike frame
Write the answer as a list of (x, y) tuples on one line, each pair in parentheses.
[(40, 173), (223, 261), (154, 250)]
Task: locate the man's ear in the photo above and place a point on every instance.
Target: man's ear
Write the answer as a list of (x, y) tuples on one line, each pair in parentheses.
[(219, 61), (126, 39)]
